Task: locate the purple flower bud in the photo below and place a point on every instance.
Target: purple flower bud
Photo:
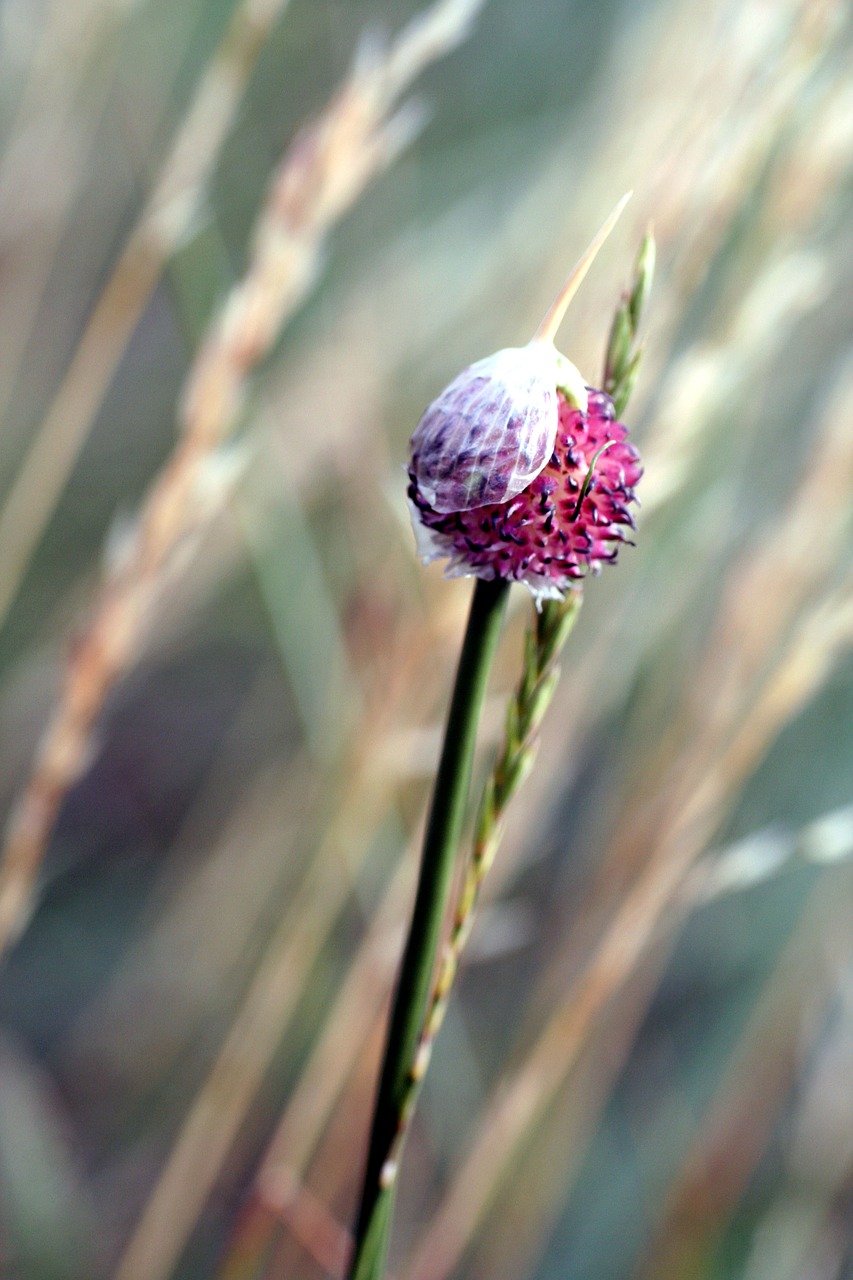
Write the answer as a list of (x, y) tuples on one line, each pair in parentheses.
[(519, 470), (490, 432), (567, 521)]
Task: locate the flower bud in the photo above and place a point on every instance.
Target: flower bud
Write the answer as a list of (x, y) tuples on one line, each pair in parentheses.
[(518, 470), (570, 519), (492, 430)]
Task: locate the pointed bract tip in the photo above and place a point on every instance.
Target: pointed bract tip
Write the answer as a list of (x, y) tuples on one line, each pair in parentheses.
[(547, 330)]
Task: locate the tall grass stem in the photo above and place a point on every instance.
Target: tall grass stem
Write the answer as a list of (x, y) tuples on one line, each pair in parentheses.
[(440, 849)]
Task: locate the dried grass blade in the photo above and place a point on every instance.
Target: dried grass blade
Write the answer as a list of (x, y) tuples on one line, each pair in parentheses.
[(163, 222), (320, 177)]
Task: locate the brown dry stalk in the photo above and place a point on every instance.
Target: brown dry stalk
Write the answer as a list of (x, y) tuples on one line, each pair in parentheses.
[(763, 1066), (721, 1157), (164, 221), (310, 1223), (327, 167), (213, 1120), (357, 1007), (46, 100), (782, 1028), (732, 116), (786, 569)]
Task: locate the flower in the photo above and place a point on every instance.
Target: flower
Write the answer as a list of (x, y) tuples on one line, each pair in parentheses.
[(567, 521), (519, 470)]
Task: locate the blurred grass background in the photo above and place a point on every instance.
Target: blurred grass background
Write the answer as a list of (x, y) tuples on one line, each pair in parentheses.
[(192, 1017)]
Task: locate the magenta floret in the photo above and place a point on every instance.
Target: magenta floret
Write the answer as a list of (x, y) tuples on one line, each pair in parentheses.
[(543, 537)]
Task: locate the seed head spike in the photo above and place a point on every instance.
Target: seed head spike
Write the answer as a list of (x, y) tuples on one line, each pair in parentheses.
[(547, 330)]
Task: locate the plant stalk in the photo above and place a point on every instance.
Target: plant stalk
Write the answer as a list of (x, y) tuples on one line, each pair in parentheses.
[(441, 845)]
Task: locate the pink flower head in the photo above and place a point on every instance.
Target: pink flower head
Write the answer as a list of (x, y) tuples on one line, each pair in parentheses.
[(519, 470), (570, 519)]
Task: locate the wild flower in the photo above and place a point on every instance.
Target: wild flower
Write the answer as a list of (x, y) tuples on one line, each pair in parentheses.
[(519, 470), (570, 518)]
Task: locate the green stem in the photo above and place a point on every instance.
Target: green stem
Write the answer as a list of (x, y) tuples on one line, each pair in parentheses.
[(441, 844)]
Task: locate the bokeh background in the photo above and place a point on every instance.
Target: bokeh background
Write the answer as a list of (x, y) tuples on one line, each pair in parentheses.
[(646, 1068)]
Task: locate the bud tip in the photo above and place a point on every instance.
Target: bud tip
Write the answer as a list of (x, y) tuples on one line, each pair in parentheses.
[(547, 330)]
